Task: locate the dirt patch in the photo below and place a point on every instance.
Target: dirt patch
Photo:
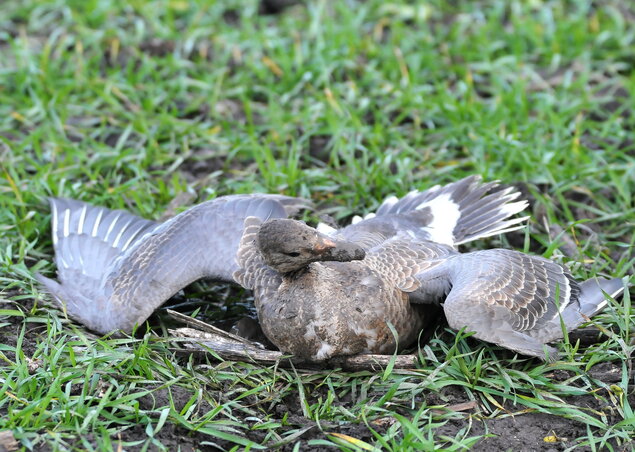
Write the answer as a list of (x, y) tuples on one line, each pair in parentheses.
[(202, 166), (527, 432), (171, 436), (10, 333), (523, 429), (174, 395), (320, 147), (276, 6)]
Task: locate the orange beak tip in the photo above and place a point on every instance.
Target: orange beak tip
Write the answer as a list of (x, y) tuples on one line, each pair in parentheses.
[(324, 245)]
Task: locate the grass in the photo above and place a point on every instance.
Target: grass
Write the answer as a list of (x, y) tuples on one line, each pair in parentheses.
[(128, 104)]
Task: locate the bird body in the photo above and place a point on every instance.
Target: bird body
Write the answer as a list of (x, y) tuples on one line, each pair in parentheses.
[(393, 266), (367, 288), (358, 325)]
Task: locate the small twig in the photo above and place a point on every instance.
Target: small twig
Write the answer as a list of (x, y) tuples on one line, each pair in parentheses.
[(225, 348), (200, 325)]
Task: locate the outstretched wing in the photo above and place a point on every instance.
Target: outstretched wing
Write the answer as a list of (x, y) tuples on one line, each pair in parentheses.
[(456, 213), (512, 299), (141, 272), (206, 236), (87, 238)]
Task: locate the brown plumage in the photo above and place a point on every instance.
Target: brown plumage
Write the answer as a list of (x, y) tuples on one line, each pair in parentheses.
[(319, 306)]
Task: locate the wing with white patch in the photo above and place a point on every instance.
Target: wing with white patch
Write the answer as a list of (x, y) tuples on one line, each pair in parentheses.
[(452, 214)]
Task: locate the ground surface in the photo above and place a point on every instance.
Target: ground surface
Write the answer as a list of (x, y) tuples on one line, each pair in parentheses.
[(138, 104)]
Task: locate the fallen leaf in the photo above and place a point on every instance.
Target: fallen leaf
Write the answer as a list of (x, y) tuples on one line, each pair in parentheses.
[(463, 406)]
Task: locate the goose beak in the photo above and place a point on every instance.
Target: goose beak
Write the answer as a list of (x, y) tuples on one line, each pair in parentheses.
[(323, 245), (337, 250)]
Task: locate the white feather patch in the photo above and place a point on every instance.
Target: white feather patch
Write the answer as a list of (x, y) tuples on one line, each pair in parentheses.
[(127, 244), (325, 351), (325, 229), (356, 219), (111, 227), (390, 201), (96, 226), (82, 218), (512, 208), (67, 222), (445, 216), (55, 221), (116, 242)]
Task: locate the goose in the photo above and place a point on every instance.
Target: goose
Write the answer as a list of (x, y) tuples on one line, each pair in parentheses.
[(371, 286)]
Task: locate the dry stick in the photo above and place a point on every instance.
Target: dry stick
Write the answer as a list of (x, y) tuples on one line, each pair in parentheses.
[(195, 341), (226, 346), (211, 329)]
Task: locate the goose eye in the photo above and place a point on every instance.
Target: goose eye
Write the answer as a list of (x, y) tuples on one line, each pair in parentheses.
[(293, 254)]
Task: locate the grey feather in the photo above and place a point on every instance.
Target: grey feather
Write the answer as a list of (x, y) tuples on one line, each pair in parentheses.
[(480, 210), (518, 301), (115, 268)]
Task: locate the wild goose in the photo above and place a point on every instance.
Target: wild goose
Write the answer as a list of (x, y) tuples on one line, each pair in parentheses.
[(322, 292)]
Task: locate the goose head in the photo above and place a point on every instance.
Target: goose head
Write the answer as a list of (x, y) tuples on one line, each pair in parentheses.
[(290, 245)]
